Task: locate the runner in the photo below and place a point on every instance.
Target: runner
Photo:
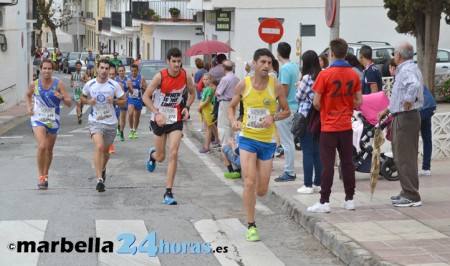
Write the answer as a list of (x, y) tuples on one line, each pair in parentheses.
[(112, 75), (259, 94), (126, 85), (77, 80), (102, 121), (89, 61), (135, 100), (48, 93), (167, 115)]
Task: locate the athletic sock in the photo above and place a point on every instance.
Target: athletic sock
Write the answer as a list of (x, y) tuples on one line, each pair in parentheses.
[(230, 168), (251, 224), (169, 192)]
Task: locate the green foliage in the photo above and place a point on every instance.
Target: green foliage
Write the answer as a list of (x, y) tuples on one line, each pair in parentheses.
[(174, 11), (1, 100), (406, 12), (147, 14), (156, 17), (443, 93)]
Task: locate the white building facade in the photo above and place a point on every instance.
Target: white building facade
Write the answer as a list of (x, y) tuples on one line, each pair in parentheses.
[(16, 25)]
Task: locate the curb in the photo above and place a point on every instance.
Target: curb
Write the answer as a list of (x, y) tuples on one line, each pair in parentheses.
[(12, 123), (342, 246)]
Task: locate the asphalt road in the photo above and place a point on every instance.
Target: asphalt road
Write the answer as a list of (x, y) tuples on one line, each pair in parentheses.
[(209, 210)]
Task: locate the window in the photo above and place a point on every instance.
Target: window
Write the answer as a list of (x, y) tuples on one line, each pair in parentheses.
[(182, 45), (442, 56)]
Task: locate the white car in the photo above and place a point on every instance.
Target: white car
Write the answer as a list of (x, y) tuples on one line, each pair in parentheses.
[(442, 61)]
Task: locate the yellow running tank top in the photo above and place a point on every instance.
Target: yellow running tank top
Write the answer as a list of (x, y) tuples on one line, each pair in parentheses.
[(257, 106)]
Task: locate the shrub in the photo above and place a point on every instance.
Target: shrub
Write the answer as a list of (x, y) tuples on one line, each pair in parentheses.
[(174, 11)]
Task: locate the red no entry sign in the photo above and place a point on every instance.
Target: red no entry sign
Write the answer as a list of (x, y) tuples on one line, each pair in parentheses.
[(270, 30), (330, 12)]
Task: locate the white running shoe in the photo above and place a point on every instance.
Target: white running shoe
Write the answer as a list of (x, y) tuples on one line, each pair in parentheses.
[(316, 188), (318, 207), (305, 190), (349, 205), (425, 172)]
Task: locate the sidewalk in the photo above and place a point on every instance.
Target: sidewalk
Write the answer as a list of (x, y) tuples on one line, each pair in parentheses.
[(12, 117), (377, 233)]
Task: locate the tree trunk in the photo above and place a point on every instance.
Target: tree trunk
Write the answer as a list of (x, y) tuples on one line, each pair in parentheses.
[(55, 38), (427, 39)]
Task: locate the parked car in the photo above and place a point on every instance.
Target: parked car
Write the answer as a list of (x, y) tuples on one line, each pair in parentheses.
[(148, 68), (442, 61), (381, 53), (69, 62), (127, 62)]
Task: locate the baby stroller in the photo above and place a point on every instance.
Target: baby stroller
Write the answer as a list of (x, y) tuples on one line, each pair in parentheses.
[(364, 122)]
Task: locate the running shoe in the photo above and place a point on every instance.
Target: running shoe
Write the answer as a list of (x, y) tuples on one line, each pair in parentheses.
[(42, 184), (252, 234), (285, 177), (215, 143), (111, 148), (279, 151), (319, 207), (169, 199), (151, 163), (80, 120), (100, 185), (232, 175), (117, 132), (131, 136), (204, 150), (122, 138), (135, 136)]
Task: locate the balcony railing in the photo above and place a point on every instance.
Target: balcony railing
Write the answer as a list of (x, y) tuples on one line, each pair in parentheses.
[(116, 18), (128, 19), (106, 24), (100, 25), (161, 8), (89, 14)]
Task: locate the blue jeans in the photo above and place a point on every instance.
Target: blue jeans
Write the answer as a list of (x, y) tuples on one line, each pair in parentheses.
[(311, 160), (425, 131), (287, 141)]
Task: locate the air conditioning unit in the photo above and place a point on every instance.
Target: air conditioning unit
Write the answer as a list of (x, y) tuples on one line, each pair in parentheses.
[(8, 2)]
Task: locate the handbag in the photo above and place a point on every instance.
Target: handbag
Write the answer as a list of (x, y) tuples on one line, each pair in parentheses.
[(299, 123), (314, 122)]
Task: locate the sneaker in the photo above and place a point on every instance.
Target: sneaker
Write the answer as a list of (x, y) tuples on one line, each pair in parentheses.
[(169, 199), (396, 198), (151, 164), (104, 176), (252, 234), (135, 136), (43, 183), (404, 202), (349, 205), (316, 188), (204, 150), (131, 136), (122, 138), (319, 207), (111, 148), (100, 185), (117, 132), (285, 177), (232, 175), (424, 172), (215, 143), (279, 151), (80, 120), (305, 190)]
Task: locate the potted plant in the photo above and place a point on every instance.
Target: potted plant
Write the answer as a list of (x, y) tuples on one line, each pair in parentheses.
[(147, 14), (175, 13), (156, 17)]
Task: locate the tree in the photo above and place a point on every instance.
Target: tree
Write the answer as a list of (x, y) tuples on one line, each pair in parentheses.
[(421, 18), (51, 15)]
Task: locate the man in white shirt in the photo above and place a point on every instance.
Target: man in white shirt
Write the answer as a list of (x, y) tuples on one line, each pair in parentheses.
[(99, 93)]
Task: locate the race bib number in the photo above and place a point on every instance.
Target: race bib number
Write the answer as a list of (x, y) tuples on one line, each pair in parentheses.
[(91, 63), (135, 93), (170, 114), (46, 115), (102, 112), (255, 116)]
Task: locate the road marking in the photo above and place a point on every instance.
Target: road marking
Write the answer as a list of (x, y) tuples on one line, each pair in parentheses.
[(108, 230), (231, 233), (65, 136), (218, 172), (23, 230), (80, 130), (12, 137)]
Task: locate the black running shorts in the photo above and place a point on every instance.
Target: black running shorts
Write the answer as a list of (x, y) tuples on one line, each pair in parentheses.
[(166, 129)]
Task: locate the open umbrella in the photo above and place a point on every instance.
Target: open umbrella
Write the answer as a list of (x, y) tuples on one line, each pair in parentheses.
[(208, 47), (378, 140)]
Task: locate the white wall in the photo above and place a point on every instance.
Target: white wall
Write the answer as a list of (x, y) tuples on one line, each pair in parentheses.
[(15, 67)]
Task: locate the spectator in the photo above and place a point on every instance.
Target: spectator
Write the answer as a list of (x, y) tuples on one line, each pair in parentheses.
[(336, 109), (323, 61), (288, 76), (115, 61), (200, 64), (230, 155), (224, 93), (372, 81), (310, 147), (356, 65), (59, 57), (217, 71), (138, 60), (205, 108), (406, 99)]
